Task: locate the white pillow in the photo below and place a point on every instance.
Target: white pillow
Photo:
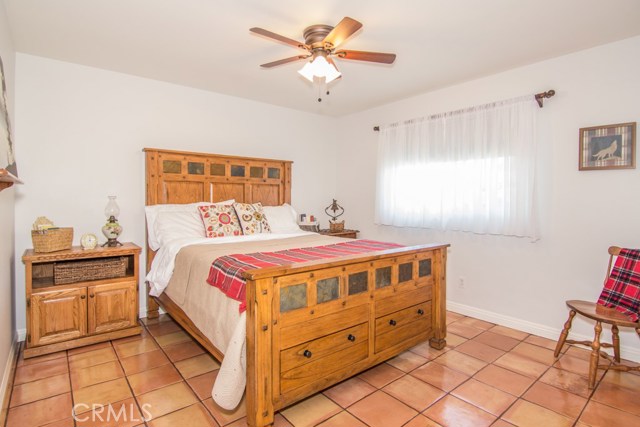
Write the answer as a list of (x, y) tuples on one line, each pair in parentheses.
[(282, 219), (167, 222)]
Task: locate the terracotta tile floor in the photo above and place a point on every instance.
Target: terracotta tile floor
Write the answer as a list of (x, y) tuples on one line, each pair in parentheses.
[(487, 375)]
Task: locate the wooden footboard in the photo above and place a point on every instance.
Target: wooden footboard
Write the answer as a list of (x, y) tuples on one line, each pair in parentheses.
[(315, 324), (312, 325)]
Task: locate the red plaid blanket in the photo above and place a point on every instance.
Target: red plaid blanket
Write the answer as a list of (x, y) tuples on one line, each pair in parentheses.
[(622, 290), (226, 272)]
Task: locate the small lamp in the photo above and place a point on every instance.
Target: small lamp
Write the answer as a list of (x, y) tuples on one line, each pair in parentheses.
[(334, 225), (112, 229)]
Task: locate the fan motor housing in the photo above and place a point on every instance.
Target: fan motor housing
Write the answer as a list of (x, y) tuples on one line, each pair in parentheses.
[(315, 35)]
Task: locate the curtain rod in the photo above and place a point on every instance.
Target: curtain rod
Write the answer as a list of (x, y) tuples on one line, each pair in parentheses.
[(539, 97)]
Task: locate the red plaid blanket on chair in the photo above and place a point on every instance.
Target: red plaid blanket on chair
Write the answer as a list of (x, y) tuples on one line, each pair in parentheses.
[(226, 272), (622, 289)]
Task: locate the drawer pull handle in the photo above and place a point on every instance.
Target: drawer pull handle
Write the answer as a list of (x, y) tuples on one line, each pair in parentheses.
[(307, 354), (392, 322), (351, 338), (420, 311), (92, 295), (83, 296)]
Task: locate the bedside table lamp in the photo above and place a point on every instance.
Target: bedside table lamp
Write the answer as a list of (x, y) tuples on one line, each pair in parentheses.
[(112, 229), (334, 225)]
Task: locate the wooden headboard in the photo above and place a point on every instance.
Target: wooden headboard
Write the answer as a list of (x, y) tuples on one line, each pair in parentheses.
[(185, 177)]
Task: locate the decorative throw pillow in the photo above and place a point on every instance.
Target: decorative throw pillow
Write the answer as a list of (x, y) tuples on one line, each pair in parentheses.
[(252, 218), (282, 219), (220, 220)]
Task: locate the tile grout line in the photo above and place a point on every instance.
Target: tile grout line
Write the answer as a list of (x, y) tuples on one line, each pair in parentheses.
[(38, 379), (126, 378), (73, 401), (179, 373)]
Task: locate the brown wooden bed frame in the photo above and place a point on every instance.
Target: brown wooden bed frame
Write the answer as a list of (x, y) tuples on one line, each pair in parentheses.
[(355, 311)]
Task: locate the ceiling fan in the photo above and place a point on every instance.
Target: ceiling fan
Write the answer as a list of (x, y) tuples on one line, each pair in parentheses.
[(321, 42)]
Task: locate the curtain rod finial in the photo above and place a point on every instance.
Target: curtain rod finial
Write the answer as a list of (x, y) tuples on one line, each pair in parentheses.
[(540, 96)]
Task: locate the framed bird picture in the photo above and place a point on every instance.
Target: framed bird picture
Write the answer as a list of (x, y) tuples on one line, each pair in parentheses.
[(608, 147)]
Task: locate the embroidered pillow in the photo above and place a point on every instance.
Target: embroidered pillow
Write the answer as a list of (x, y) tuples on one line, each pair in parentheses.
[(252, 218), (220, 220)]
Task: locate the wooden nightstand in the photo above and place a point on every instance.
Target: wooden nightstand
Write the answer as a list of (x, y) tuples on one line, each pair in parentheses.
[(349, 234), (99, 304)]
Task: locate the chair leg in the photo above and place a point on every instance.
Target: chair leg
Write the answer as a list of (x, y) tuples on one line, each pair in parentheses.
[(616, 343), (595, 356), (564, 334)]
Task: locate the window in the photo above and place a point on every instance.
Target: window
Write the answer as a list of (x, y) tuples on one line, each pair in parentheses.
[(470, 170)]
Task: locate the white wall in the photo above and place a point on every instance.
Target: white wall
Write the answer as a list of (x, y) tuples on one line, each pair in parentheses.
[(7, 196), (512, 280), (82, 131)]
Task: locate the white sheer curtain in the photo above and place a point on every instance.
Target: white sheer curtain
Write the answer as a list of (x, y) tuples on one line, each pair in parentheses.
[(469, 170)]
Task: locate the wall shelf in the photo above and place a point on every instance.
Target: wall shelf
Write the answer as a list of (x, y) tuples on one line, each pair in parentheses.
[(7, 179)]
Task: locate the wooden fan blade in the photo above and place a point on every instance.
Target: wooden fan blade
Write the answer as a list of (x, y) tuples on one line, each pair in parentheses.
[(277, 37), (342, 31), (284, 61), (358, 55), (332, 62)]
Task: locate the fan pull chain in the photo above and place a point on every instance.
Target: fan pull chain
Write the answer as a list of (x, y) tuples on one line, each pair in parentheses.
[(322, 87)]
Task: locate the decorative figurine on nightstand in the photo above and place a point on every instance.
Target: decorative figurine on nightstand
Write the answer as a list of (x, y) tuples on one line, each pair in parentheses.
[(112, 229), (334, 224)]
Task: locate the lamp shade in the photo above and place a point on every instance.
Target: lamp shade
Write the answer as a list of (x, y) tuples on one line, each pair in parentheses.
[(320, 68), (112, 209)]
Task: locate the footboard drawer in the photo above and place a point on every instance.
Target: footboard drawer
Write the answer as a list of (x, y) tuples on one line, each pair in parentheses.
[(401, 300), (309, 362), (403, 325), (314, 328), (317, 349)]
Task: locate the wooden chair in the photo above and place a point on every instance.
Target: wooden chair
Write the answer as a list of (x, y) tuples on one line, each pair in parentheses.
[(600, 314)]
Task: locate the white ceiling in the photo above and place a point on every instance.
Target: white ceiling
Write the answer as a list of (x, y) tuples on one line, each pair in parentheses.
[(207, 44)]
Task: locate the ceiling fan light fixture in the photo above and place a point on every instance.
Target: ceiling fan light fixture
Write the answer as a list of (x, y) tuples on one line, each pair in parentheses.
[(321, 68)]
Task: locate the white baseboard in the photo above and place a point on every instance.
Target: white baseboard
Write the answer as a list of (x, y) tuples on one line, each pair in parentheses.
[(627, 353), (8, 371)]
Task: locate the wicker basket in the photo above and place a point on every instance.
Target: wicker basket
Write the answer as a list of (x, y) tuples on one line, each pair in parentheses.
[(80, 271), (55, 239), (335, 227)]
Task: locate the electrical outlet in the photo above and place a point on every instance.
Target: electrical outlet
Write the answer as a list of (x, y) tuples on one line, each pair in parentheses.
[(461, 283)]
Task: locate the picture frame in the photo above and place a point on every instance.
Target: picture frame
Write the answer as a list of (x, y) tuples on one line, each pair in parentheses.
[(8, 168), (608, 147)]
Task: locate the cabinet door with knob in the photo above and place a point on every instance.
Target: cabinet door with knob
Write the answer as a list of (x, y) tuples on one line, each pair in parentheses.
[(57, 316), (111, 307)]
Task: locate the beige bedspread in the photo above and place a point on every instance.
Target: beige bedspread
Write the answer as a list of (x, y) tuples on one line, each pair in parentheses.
[(218, 316)]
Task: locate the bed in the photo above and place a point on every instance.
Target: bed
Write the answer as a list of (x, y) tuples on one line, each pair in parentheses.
[(300, 339)]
